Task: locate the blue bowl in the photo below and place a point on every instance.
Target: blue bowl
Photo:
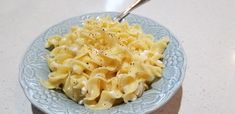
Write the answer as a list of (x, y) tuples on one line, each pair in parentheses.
[(34, 68)]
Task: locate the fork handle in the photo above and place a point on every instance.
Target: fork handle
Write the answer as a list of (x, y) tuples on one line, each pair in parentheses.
[(130, 8)]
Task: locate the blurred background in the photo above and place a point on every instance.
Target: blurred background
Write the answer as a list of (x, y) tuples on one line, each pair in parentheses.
[(206, 29)]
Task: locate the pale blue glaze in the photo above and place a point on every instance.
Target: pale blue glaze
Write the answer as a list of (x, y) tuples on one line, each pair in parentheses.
[(34, 68)]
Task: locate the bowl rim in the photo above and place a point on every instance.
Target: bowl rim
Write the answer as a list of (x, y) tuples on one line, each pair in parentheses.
[(154, 108)]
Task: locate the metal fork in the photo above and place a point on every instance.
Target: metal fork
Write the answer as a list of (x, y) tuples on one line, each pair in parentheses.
[(130, 8)]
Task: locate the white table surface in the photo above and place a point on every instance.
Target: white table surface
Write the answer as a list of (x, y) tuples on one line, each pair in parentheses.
[(206, 29)]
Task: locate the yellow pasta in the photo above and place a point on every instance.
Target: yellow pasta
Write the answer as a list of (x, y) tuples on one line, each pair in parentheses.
[(104, 62)]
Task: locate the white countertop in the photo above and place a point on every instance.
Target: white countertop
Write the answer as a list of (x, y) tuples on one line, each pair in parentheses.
[(206, 29)]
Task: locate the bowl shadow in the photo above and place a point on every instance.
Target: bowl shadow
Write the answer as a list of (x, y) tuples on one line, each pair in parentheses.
[(171, 107), (35, 110)]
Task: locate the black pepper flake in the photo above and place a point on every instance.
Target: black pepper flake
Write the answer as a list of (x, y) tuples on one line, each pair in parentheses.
[(132, 63), (74, 83), (137, 73), (61, 85), (50, 48), (111, 35)]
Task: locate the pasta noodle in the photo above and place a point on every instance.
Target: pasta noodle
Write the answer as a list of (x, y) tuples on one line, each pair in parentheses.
[(104, 62)]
